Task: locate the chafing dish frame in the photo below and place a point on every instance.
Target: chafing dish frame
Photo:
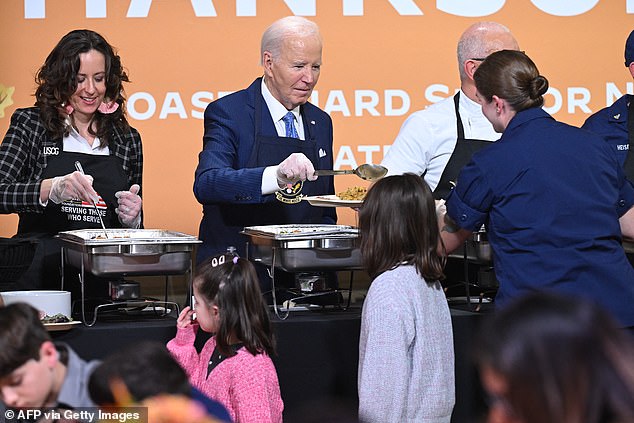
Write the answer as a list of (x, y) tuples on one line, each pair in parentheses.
[(337, 249), (477, 250), (127, 252), (306, 252)]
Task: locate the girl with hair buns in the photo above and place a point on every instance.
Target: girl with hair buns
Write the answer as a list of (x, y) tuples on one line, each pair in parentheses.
[(553, 197), (234, 366)]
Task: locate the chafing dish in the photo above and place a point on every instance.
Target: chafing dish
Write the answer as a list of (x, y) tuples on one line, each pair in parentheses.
[(478, 248), (476, 251), (481, 245), (295, 248), (128, 251)]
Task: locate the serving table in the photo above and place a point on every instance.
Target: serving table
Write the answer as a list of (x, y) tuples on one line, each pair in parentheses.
[(316, 362)]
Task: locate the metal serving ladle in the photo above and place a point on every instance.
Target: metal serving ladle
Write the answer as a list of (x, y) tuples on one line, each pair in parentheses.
[(367, 171)]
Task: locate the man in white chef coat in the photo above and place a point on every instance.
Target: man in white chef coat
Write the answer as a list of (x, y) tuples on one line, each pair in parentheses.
[(438, 141)]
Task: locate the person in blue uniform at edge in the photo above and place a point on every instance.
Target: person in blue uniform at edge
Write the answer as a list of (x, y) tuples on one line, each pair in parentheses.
[(253, 169), (552, 195), (79, 116), (616, 122)]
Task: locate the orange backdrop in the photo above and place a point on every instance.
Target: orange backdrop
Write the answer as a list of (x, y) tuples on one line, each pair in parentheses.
[(382, 60)]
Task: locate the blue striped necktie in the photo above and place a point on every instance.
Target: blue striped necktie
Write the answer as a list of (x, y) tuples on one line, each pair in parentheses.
[(289, 123)]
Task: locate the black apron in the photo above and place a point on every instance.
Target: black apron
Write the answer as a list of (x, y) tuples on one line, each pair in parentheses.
[(628, 166), (109, 177), (268, 150), (464, 149)]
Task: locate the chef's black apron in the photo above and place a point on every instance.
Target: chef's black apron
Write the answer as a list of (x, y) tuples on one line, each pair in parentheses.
[(462, 153), (272, 150), (108, 178), (464, 149)]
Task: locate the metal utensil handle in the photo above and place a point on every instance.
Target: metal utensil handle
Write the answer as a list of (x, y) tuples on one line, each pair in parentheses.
[(81, 170), (325, 172)]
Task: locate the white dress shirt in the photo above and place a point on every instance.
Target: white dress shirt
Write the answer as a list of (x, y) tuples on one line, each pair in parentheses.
[(428, 137), (75, 143), (278, 111)]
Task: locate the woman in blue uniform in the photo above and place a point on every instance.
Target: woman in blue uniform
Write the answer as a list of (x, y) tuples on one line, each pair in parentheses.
[(553, 197)]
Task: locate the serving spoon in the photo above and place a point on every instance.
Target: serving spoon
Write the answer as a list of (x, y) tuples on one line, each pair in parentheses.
[(367, 171)]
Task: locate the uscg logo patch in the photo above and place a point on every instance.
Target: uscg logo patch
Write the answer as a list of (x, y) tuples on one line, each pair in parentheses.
[(51, 151), (292, 194)]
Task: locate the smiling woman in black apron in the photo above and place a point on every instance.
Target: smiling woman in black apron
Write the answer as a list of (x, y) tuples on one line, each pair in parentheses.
[(78, 117)]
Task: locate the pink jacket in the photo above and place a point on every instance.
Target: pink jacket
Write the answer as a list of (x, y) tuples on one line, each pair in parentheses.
[(245, 384)]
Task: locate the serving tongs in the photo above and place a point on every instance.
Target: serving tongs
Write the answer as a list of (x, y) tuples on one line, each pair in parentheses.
[(94, 204), (367, 171)]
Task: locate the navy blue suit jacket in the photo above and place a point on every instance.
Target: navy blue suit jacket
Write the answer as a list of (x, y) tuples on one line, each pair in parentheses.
[(224, 183)]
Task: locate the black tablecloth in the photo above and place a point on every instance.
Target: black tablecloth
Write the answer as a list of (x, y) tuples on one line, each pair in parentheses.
[(316, 363)]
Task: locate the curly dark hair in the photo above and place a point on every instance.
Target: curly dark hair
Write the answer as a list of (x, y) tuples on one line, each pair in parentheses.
[(57, 81)]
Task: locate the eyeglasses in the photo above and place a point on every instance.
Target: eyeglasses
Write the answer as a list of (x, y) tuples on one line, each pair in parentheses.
[(482, 59)]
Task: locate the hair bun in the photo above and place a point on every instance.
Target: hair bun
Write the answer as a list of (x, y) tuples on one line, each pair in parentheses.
[(539, 86)]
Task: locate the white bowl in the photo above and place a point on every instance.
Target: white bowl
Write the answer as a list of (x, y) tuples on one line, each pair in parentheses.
[(49, 302)]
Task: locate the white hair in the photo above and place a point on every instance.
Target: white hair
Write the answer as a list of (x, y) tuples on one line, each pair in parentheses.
[(274, 35), (477, 42)]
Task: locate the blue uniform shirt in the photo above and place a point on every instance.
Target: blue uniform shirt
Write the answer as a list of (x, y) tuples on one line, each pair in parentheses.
[(551, 196), (611, 124)]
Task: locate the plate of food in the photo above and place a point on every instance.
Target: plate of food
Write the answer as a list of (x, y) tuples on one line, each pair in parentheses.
[(58, 321), (351, 197)]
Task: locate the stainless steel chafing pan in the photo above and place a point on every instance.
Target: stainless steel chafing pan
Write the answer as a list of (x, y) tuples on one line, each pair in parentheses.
[(478, 248), (296, 248), (129, 251)]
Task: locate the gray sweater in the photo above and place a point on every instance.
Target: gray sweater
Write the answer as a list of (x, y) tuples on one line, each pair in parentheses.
[(406, 356)]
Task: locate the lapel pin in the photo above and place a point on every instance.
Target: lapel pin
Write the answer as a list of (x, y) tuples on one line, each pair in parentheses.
[(312, 122)]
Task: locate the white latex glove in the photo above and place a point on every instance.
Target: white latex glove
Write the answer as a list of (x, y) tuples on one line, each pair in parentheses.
[(130, 204), (441, 208), (294, 168), (72, 186)]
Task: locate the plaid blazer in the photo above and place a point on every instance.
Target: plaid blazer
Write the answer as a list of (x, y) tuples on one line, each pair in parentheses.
[(22, 160)]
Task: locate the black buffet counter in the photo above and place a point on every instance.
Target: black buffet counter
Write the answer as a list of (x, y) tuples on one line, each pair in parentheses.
[(316, 363)]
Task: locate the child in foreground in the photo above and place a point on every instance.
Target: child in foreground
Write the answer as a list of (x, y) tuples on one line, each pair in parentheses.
[(406, 355), (234, 367)]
